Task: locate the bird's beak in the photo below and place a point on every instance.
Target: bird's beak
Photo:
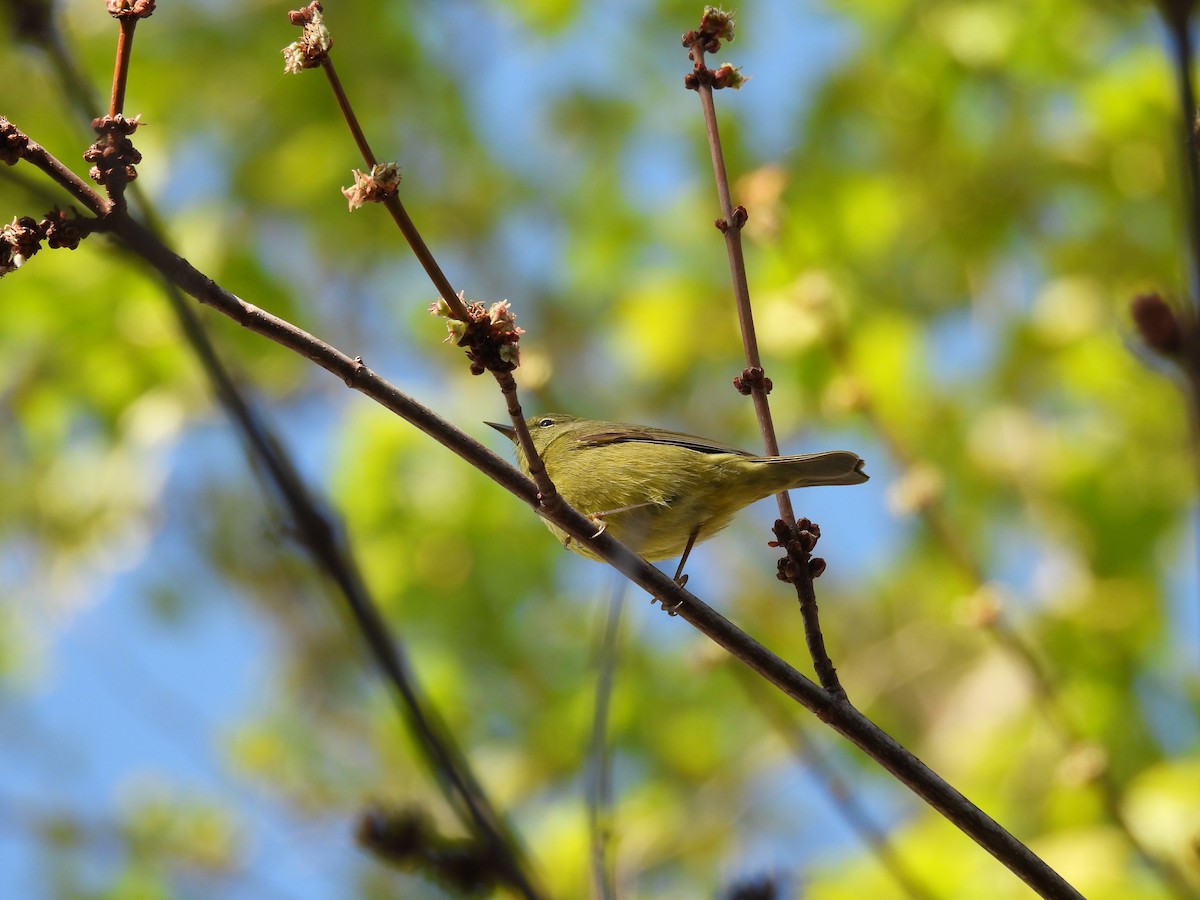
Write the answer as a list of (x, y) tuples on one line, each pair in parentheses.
[(507, 430)]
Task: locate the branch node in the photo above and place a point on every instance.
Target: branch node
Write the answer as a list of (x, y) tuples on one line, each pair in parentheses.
[(375, 186), (489, 335), (357, 374), (798, 541), (551, 502), (752, 377), (716, 24), (113, 154), (727, 76), (65, 230)]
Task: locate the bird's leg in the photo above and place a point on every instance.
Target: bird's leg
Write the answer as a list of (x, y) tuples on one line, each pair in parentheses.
[(595, 519), (681, 579), (598, 518)]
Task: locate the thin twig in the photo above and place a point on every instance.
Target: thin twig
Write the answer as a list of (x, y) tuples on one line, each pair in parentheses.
[(80, 190), (1177, 16), (730, 226), (360, 139), (600, 789), (116, 104), (405, 223)]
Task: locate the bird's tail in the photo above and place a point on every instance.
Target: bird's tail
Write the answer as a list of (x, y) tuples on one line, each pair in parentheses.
[(812, 469)]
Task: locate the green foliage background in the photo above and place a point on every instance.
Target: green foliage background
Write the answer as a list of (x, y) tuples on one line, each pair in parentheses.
[(951, 203)]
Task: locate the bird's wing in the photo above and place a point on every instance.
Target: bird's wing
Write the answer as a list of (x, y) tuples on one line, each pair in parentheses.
[(623, 434)]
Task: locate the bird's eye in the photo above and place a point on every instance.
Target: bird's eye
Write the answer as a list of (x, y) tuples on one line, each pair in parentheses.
[(545, 423)]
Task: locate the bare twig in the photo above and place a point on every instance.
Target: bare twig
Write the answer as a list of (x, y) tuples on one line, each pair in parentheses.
[(124, 55), (800, 570), (600, 789), (1182, 347), (37, 155), (1177, 15)]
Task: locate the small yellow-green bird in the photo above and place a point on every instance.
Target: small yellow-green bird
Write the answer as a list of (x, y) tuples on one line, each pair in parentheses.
[(660, 492)]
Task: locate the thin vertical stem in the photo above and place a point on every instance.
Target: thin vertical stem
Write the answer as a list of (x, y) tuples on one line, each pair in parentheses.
[(116, 103), (600, 787), (730, 226), (1183, 55)]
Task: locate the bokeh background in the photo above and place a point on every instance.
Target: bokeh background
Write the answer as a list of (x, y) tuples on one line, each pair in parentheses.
[(952, 204)]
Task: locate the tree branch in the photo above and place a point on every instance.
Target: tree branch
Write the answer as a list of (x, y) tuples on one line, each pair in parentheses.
[(753, 381), (839, 714)]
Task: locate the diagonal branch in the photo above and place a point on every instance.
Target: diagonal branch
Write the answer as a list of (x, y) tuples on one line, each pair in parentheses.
[(838, 713), (318, 529)]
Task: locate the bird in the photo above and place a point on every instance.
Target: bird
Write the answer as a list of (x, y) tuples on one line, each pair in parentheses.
[(661, 492)]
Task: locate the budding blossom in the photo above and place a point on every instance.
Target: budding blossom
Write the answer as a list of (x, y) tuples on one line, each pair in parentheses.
[(489, 335), (718, 23), (456, 327), (374, 186), (504, 325), (727, 76), (314, 43)]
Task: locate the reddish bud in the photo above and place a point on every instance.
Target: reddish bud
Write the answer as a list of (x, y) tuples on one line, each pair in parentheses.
[(750, 378), (1157, 323)]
